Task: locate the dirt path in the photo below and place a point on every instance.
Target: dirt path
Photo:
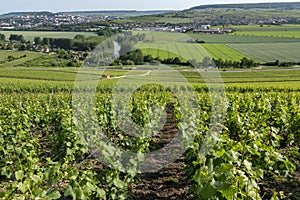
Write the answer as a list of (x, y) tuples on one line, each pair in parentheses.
[(169, 182), (126, 76)]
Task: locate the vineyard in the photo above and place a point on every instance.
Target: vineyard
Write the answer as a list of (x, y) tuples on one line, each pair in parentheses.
[(249, 152), (198, 104)]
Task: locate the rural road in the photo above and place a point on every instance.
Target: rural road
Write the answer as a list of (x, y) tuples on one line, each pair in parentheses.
[(125, 76)]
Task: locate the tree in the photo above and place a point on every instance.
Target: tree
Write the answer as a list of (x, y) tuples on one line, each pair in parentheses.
[(46, 41), (14, 37), (10, 58), (37, 41), (126, 47), (79, 37), (177, 60), (207, 61), (138, 57), (148, 58), (193, 63), (22, 47), (2, 37), (63, 43)]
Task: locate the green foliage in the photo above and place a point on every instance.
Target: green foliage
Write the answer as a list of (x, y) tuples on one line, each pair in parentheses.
[(246, 150), (2, 37), (108, 32), (30, 35), (15, 37), (243, 63), (42, 155)]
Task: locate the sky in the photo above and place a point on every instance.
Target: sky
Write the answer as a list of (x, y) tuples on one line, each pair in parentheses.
[(83, 5)]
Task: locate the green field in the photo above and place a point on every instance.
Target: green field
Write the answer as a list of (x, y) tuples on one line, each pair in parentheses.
[(223, 51), (188, 51), (274, 78), (283, 31), (212, 38), (64, 77), (72, 133), (30, 35), (239, 38), (227, 47), (185, 51), (262, 52), (162, 37), (19, 57), (38, 116), (276, 34)]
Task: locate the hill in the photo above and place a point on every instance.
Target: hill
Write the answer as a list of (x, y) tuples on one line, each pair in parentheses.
[(279, 6), (120, 13)]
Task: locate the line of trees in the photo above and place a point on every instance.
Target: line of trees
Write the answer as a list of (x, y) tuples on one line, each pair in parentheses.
[(243, 63), (137, 57), (281, 64), (108, 32), (67, 43), (15, 37)]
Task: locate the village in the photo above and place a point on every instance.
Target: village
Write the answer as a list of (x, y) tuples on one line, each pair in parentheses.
[(52, 21), (29, 21)]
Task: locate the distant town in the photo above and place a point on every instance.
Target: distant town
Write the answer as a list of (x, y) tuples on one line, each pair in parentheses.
[(38, 20), (44, 20)]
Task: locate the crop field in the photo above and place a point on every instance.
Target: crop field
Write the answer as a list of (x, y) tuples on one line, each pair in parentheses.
[(63, 78), (235, 38), (30, 35), (237, 130), (19, 57), (213, 38), (162, 37), (274, 78), (223, 51), (176, 49), (283, 31), (262, 52), (44, 154), (227, 47), (276, 34)]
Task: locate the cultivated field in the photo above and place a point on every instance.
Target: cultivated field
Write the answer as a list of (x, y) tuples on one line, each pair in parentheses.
[(223, 51), (30, 35), (226, 47), (18, 57), (241, 39), (262, 52), (238, 128), (261, 128), (283, 31), (175, 49)]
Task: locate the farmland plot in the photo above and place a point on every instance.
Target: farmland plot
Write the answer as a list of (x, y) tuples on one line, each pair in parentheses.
[(223, 51), (284, 52)]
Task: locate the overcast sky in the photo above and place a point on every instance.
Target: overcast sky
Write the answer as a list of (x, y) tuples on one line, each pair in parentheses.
[(81, 5)]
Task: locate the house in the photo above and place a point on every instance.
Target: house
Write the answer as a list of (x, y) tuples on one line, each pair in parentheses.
[(107, 76)]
